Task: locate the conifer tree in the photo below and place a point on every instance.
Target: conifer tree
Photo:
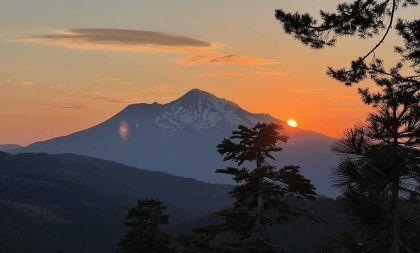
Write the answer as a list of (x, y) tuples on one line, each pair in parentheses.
[(261, 195), (379, 174), (363, 19), (144, 234)]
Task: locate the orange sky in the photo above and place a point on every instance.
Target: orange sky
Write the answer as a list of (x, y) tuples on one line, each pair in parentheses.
[(66, 66)]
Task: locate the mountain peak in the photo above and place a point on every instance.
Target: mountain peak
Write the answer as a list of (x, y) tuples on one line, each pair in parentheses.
[(193, 96), (202, 110), (195, 110), (197, 91)]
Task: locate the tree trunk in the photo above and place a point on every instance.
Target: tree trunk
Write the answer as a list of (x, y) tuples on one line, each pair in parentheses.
[(395, 195), (395, 247), (259, 233)]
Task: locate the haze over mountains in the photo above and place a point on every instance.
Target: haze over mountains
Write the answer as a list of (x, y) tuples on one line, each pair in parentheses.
[(78, 204), (180, 138), (8, 147)]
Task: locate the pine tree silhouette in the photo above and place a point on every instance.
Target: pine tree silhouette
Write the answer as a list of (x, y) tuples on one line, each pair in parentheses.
[(379, 174), (261, 195), (144, 234), (362, 19)]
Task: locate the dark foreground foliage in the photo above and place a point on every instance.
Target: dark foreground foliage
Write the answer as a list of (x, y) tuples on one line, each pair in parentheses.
[(144, 231)]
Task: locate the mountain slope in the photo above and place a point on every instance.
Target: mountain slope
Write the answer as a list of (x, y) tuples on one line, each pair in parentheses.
[(9, 147), (78, 204), (181, 138)]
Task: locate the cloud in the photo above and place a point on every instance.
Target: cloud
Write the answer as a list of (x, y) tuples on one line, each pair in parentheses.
[(26, 83), (215, 58), (198, 51), (309, 91), (5, 81), (91, 93), (73, 107), (117, 100), (238, 74), (112, 81), (98, 95), (17, 83), (241, 60), (161, 87), (66, 106), (106, 80), (269, 73), (119, 40), (63, 87), (221, 74)]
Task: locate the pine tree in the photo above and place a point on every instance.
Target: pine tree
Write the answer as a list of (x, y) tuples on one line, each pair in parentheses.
[(379, 174), (363, 19), (144, 234), (261, 195)]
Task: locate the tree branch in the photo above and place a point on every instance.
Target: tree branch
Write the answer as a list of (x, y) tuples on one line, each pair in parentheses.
[(394, 6)]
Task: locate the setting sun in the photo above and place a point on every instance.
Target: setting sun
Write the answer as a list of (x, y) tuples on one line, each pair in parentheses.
[(292, 123)]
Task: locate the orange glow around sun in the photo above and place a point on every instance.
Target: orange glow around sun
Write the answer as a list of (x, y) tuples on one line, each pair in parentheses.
[(292, 123)]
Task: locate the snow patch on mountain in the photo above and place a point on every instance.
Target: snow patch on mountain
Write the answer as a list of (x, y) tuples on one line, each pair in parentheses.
[(201, 111)]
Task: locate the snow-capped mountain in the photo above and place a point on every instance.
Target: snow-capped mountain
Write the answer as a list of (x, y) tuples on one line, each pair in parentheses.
[(197, 110), (201, 110), (180, 137)]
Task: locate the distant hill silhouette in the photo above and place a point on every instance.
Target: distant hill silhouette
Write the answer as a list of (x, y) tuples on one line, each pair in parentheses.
[(78, 204), (181, 138), (9, 147)]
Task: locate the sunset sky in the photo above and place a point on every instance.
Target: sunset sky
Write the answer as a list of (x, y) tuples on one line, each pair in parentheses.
[(68, 65)]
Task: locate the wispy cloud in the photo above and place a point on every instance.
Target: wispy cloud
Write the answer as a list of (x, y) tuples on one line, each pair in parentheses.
[(161, 87), (73, 107), (4, 82), (119, 40), (26, 83), (66, 106), (106, 80), (63, 87), (112, 81), (238, 74), (221, 74), (308, 91), (17, 83), (215, 58), (196, 51), (91, 93), (117, 100), (269, 73)]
